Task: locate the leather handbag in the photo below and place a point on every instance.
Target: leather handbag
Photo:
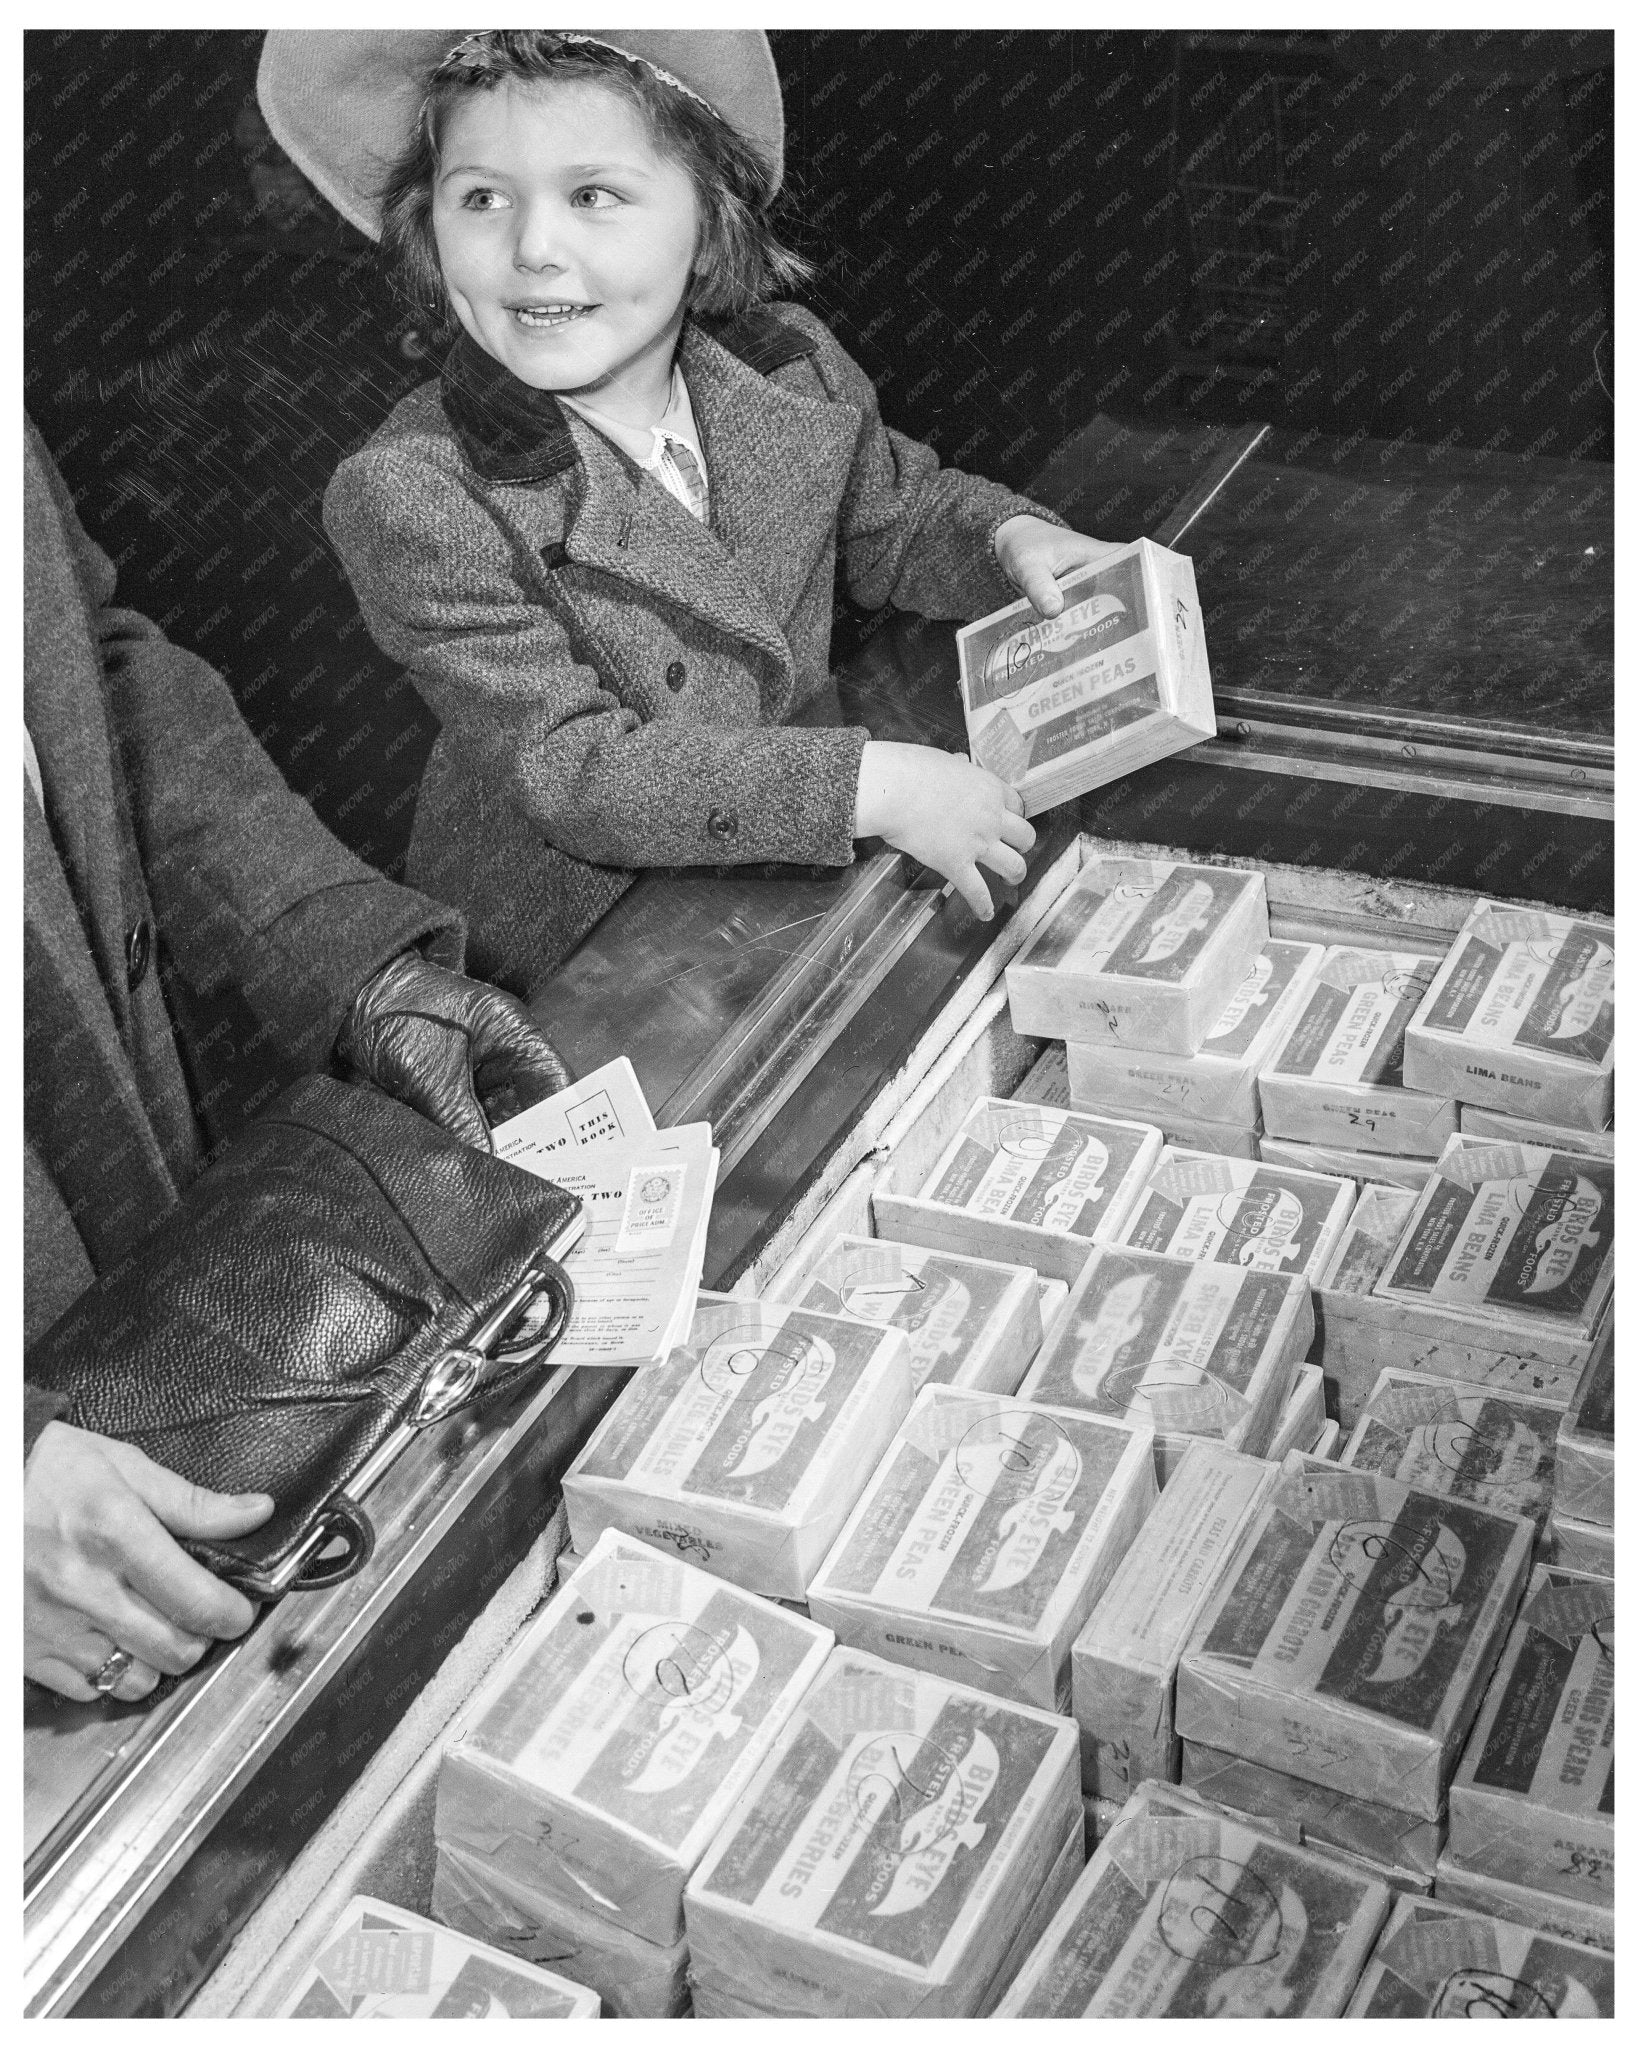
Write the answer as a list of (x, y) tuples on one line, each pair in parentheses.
[(341, 1276)]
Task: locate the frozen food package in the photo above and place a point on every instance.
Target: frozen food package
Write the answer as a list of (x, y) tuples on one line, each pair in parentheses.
[(605, 1749), (1195, 1134), (968, 1322), (1217, 1084), (1574, 1919), (1581, 1546), (1303, 1416), (1200, 1350), (1384, 1168), (745, 1449), (379, 1962), (1435, 1961), (1124, 1661), (1584, 1482), (1521, 1017), (1236, 1212), (1513, 1234), (1053, 1295), (1188, 1913), (1060, 1881), (1047, 1081), (635, 1979), (1139, 953), (887, 1853), (1473, 1443), (1400, 1849), (983, 1538), (1479, 1122), (1350, 1641), (1336, 1076), (1327, 1443), (1533, 1798), (1023, 1182)]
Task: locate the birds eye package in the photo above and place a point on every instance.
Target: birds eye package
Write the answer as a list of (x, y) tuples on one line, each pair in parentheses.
[(1521, 1017), (1187, 1913), (1237, 1212), (1350, 1640), (604, 1751), (1533, 1800), (1139, 953), (1437, 1962), (1584, 1485), (988, 1530), (1118, 679), (745, 1448), (380, 1963), (1473, 1443), (1303, 1416), (968, 1322), (1022, 1181), (887, 1853), (1200, 1350), (1511, 1232)]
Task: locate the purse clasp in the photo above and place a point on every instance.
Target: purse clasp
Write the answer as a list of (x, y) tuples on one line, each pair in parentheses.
[(449, 1383)]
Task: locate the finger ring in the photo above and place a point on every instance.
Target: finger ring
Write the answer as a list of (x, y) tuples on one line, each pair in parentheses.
[(111, 1670)]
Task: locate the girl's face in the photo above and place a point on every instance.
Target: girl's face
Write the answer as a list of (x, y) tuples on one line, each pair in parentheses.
[(566, 242)]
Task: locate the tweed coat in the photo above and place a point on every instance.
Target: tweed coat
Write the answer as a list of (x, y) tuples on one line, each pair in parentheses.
[(614, 678), (167, 855)]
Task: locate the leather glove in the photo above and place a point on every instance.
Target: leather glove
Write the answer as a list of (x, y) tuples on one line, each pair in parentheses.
[(438, 1041)]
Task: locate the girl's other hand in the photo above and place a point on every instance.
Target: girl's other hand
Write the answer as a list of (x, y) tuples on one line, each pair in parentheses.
[(1036, 553), (946, 812)]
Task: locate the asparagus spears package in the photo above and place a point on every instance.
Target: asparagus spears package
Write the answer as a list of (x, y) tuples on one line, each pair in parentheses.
[(745, 1449), (1184, 1348), (1472, 1443), (604, 1751), (1236, 1212), (1350, 1641), (1521, 1018), (1434, 1961), (1140, 953), (1188, 1913), (887, 1853), (1533, 1801), (988, 1530)]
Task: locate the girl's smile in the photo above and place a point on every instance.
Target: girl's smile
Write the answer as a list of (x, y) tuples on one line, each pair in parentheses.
[(566, 241)]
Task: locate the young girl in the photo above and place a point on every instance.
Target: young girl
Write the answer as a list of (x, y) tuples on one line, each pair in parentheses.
[(605, 541)]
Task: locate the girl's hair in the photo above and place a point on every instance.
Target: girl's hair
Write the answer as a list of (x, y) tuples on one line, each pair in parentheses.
[(740, 259)]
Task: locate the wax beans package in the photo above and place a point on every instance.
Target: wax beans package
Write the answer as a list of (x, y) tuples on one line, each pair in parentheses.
[(1025, 1182), (1184, 1348), (984, 1537), (1472, 1443), (604, 1751), (1336, 1075), (1510, 1233), (1434, 1961), (1139, 953), (1350, 1641), (745, 1449), (1188, 1913), (888, 1851), (380, 1963), (1217, 1084), (1237, 1212), (1124, 1662), (635, 1979), (1533, 1799), (1573, 1919), (1395, 1846), (1303, 1416), (968, 1322), (1521, 1018), (1584, 1482)]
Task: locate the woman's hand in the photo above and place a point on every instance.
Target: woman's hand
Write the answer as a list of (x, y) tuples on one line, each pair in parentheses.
[(1035, 553), (944, 811), (101, 1570)]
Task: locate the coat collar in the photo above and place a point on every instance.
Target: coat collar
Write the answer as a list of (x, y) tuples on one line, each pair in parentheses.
[(513, 434)]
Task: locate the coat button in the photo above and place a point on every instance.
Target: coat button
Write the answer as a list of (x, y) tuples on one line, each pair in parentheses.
[(722, 824), (675, 676), (139, 946)]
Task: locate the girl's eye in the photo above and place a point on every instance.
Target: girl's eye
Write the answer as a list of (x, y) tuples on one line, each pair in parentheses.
[(484, 199), (590, 198)]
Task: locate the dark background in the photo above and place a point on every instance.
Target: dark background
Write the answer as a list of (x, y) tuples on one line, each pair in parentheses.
[(1405, 236)]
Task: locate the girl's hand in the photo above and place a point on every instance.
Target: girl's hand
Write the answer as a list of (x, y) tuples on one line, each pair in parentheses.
[(945, 811), (1036, 553)]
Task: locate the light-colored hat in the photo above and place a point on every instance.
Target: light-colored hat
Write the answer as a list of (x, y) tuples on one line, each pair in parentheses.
[(342, 103)]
